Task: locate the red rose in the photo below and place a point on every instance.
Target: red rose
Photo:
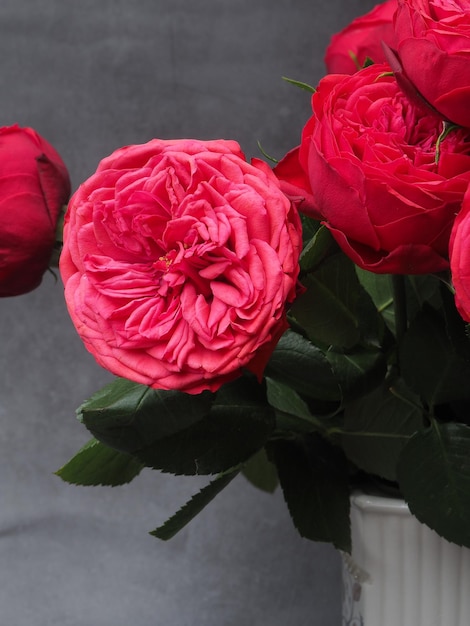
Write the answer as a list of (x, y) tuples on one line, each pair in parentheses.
[(178, 260), (34, 185), (372, 170), (433, 43), (460, 258), (362, 39)]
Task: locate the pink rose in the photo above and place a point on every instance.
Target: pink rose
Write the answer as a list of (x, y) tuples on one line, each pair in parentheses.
[(433, 43), (362, 39), (371, 169), (179, 258), (460, 258), (34, 186)]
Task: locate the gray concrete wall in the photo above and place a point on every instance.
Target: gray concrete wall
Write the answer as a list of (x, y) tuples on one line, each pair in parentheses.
[(91, 76)]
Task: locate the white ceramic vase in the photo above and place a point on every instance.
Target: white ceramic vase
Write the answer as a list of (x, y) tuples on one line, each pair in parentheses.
[(400, 572)]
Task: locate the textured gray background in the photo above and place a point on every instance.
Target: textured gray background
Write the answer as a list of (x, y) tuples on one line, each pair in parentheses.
[(92, 76)]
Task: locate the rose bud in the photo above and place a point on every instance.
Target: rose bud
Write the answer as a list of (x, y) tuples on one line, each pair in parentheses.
[(361, 40), (179, 260), (34, 186), (381, 171), (433, 43)]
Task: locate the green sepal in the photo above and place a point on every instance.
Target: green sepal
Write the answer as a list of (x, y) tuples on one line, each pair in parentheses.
[(265, 154), (97, 464), (367, 62), (300, 84), (193, 507)]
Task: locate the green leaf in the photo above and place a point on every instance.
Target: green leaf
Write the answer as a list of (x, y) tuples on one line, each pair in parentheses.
[(419, 290), (379, 287), (378, 426), (316, 249), (422, 290), (357, 372), (128, 416), (299, 364), (192, 508), (336, 311), (434, 477), (456, 328), (294, 414), (310, 226), (238, 425), (314, 479), (327, 310), (286, 400), (96, 464), (260, 472), (429, 363)]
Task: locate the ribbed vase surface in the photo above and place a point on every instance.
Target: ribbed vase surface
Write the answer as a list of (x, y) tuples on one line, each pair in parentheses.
[(401, 573)]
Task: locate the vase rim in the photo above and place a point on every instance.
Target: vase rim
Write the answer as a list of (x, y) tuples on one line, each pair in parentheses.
[(379, 503)]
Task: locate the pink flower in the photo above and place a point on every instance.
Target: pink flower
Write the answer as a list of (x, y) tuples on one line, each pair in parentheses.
[(179, 258), (34, 186), (433, 43), (460, 258), (373, 167), (361, 40)]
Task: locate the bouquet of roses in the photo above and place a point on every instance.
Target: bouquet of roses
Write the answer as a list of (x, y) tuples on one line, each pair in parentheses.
[(304, 324)]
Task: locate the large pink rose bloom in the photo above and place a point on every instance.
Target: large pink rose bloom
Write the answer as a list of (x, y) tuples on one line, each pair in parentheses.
[(460, 258), (433, 43), (179, 258), (373, 167), (361, 40)]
